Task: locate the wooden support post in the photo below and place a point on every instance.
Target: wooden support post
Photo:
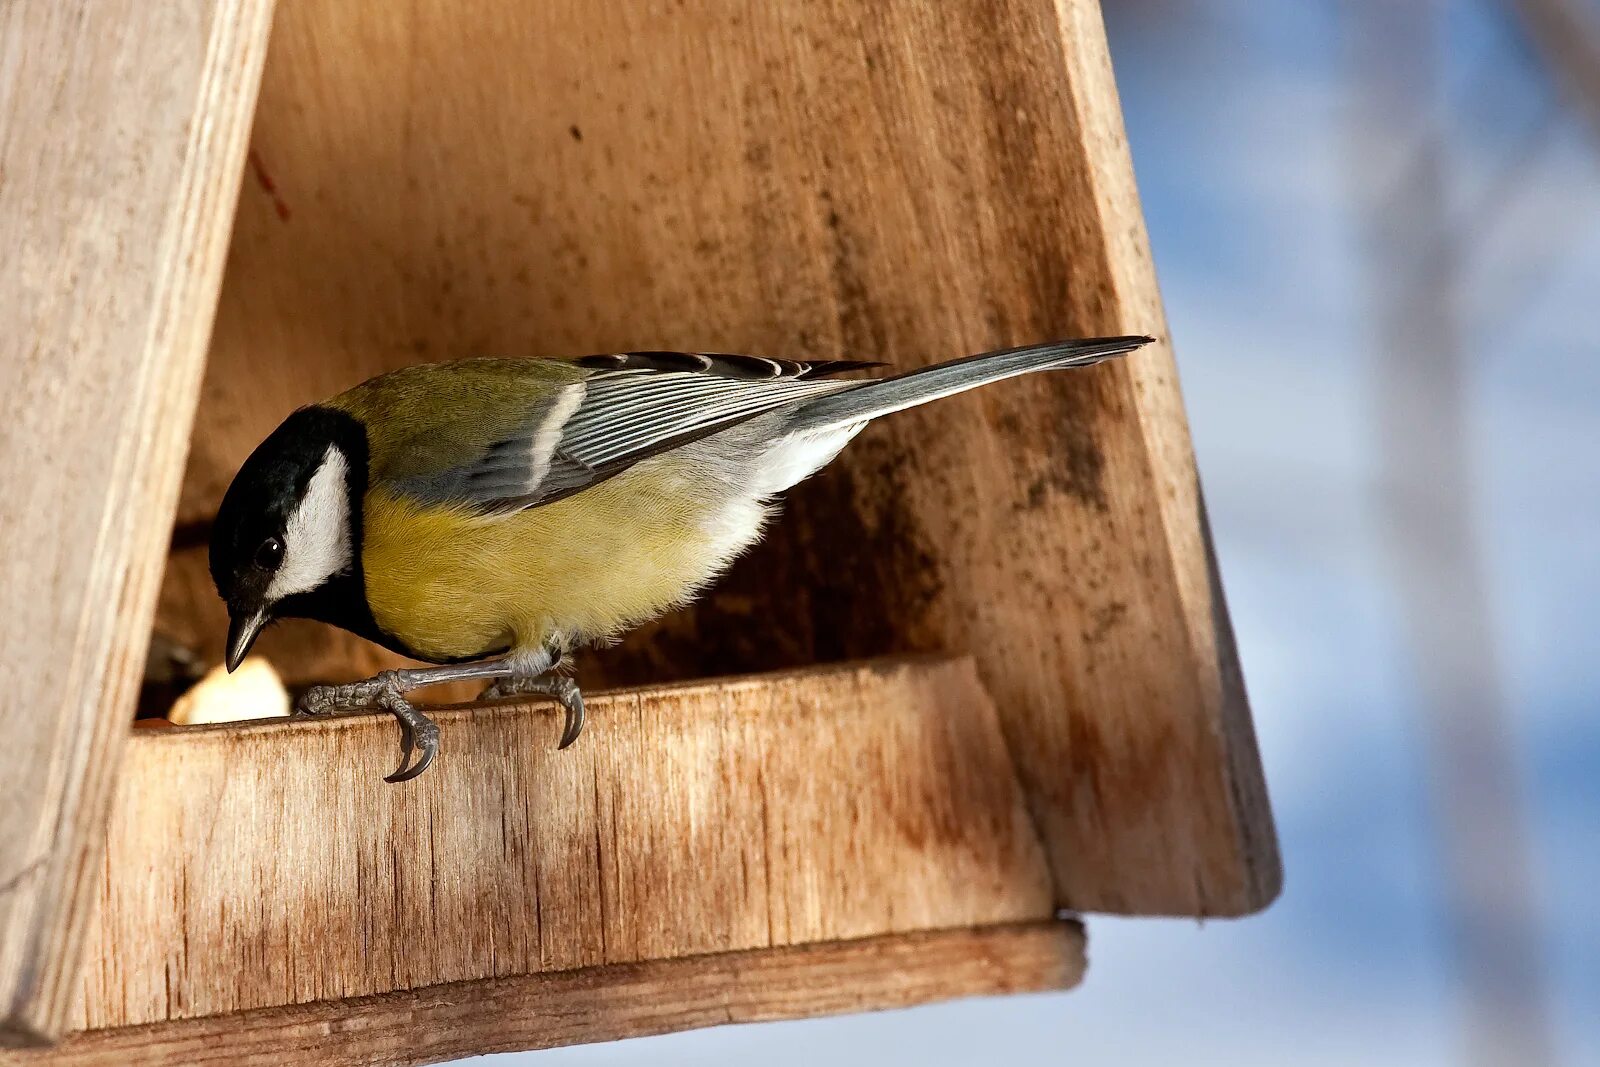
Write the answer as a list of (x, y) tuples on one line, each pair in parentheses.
[(124, 134)]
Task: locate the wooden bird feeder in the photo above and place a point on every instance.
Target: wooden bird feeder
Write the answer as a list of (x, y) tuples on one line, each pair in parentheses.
[(980, 677)]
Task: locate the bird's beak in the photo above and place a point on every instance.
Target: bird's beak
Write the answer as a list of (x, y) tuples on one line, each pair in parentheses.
[(242, 631)]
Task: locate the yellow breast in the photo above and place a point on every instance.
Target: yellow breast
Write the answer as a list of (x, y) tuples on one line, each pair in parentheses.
[(451, 584)]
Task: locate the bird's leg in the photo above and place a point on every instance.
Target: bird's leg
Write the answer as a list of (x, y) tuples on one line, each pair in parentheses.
[(539, 677), (387, 690)]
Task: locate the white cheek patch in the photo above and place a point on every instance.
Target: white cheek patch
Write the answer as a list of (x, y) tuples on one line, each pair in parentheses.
[(316, 542)]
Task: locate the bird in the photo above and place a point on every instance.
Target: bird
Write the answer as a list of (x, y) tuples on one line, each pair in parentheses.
[(489, 517)]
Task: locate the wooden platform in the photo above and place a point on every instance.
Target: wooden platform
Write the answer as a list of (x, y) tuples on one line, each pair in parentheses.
[(689, 861), (272, 865)]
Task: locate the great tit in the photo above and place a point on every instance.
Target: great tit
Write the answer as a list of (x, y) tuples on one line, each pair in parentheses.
[(491, 515)]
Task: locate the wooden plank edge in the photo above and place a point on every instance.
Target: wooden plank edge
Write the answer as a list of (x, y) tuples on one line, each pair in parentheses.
[(610, 1003), (879, 667), (1247, 779), (1152, 381)]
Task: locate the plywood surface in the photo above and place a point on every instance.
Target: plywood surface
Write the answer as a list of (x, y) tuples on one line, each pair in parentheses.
[(271, 865), (601, 1003), (890, 180), (122, 137)]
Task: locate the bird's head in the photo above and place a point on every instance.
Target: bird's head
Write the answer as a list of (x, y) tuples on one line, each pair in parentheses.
[(287, 526)]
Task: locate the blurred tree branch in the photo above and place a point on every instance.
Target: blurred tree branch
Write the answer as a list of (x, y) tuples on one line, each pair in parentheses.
[(1414, 243), (1565, 35)]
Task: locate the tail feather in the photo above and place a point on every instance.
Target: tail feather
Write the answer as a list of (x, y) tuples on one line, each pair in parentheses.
[(887, 395)]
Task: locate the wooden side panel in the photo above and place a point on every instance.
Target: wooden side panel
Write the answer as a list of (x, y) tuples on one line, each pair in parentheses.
[(122, 136), (271, 865), (891, 179), (600, 1003)]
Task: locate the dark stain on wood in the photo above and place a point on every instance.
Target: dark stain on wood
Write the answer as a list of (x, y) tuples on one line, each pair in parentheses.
[(859, 325), (268, 186), (1103, 620)]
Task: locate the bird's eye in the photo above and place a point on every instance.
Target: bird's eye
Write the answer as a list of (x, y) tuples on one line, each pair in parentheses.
[(269, 554)]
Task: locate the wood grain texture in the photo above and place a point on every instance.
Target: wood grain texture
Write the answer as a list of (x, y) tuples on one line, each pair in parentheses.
[(890, 180), (123, 137), (267, 865), (600, 1003)]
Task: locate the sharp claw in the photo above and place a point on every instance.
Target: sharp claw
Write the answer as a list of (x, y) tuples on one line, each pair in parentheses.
[(572, 700), (427, 746), (426, 737), (404, 775), (400, 774), (563, 691), (417, 733)]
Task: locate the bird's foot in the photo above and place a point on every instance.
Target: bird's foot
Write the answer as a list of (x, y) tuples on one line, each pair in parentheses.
[(558, 687), (351, 696), (418, 733)]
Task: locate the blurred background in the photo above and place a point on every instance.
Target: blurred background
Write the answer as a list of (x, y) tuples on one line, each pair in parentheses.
[(1377, 224)]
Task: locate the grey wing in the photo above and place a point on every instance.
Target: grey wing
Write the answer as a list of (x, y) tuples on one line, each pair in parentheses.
[(633, 407)]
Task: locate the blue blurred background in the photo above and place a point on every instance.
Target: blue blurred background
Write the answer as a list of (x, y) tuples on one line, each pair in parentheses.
[(1377, 225)]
